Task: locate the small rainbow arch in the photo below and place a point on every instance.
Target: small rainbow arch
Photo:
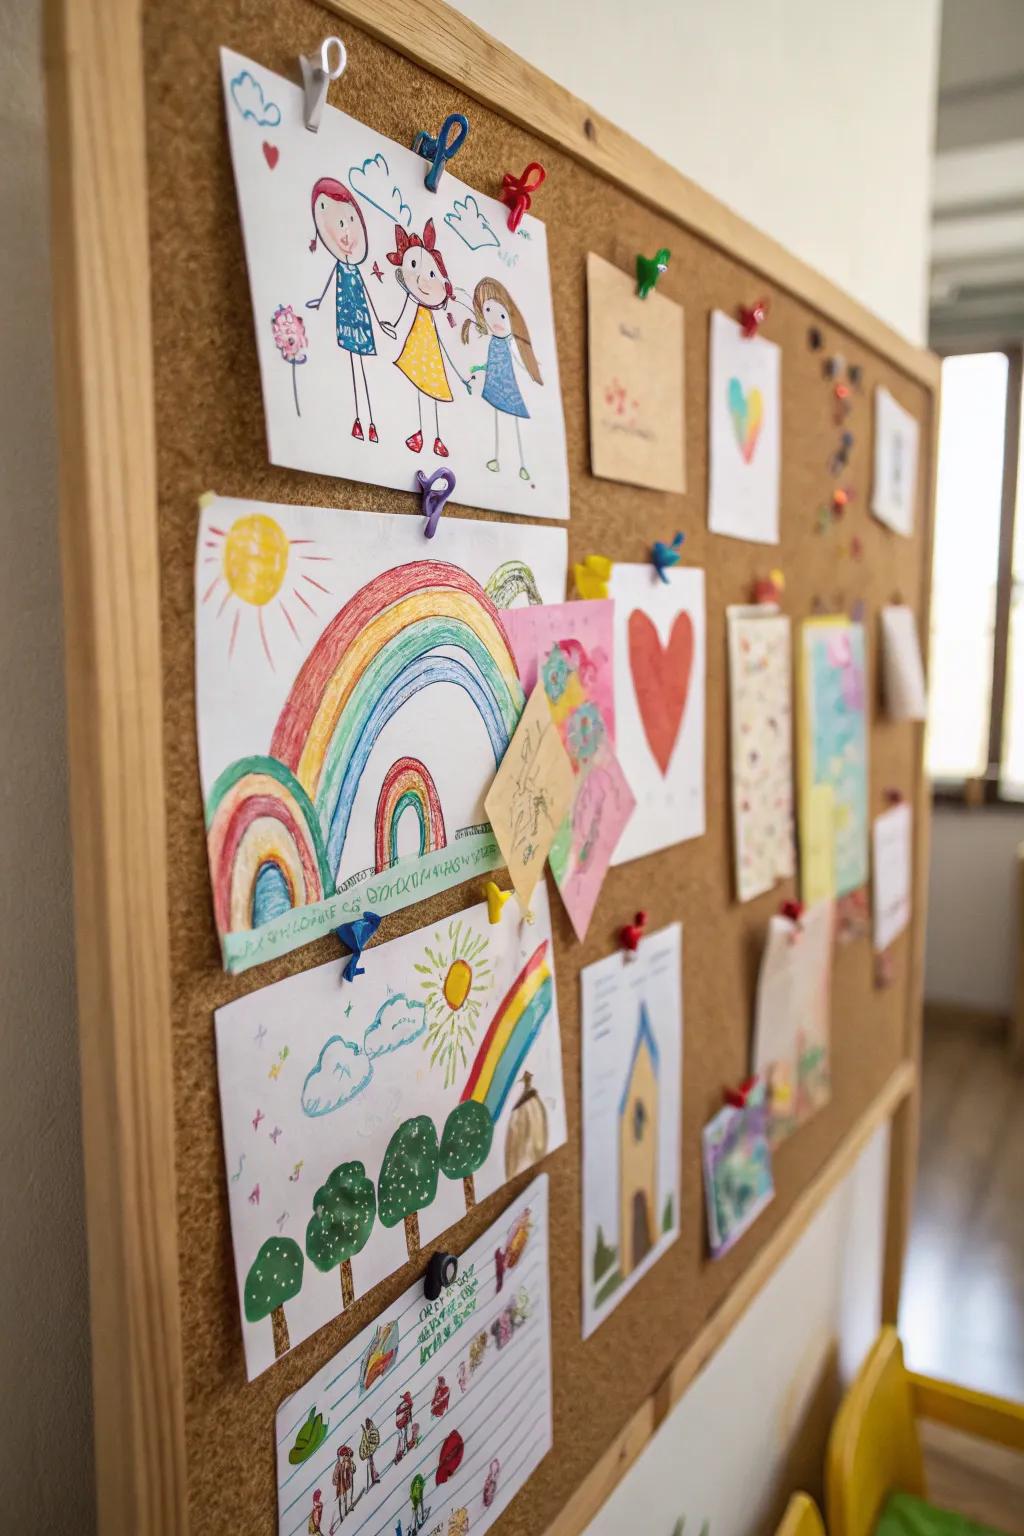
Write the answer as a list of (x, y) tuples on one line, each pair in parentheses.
[(510, 1034), (266, 848), (407, 786), (512, 579), (411, 627)]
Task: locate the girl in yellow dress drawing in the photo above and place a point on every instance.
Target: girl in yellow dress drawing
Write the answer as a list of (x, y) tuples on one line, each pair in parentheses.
[(424, 277)]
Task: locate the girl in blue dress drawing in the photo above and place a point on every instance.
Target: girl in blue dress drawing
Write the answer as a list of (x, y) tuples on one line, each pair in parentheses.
[(498, 316), (339, 226)]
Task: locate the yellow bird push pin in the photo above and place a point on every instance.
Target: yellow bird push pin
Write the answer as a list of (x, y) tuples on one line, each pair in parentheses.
[(496, 900), (592, 576)]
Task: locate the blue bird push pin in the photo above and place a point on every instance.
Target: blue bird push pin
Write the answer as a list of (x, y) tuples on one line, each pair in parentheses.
[(664, 556), (445, 147), (355, 936)]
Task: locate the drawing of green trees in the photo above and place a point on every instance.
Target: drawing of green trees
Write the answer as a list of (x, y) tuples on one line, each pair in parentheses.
[(465, 1143), (344, 1210), (408, 1177), (604, 1256), (666, 1216), (275, 1277)]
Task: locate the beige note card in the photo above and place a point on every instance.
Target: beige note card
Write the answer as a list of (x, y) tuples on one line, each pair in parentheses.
[(637, 415), (531, 794)]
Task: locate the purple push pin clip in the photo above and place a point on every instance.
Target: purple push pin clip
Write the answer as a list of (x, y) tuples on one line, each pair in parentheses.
[(434, 495)]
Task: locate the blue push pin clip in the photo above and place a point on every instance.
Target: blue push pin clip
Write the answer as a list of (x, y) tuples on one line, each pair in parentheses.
[(664, 556), (355, 936), (435, 490), (445, 147)]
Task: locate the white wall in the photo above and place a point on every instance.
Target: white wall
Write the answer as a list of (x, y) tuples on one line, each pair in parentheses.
[(973, 917), (720, 1455), (813, 121), (45, 1406)]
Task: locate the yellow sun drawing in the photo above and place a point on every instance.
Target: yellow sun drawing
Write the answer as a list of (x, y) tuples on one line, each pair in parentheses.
[(256, 560), (458, 976)]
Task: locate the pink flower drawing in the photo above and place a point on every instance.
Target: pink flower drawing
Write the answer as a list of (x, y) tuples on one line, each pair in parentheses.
[(290, 340)]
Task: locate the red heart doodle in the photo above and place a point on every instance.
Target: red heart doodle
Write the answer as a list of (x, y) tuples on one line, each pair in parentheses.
[(661, 680), (271, 154)]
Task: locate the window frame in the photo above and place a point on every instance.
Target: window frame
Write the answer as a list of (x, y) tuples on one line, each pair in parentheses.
[(987, 789)]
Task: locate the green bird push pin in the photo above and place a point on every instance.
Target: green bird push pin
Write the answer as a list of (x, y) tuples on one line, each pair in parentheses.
[(649, 269)]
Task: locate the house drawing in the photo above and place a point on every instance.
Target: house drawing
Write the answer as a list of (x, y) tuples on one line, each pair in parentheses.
[(638, 1151)]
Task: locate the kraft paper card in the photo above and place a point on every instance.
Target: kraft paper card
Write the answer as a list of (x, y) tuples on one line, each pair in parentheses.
[(530, 796)]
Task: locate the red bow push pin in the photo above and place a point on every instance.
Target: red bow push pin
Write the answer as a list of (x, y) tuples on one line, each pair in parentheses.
[(737, 1098), (633, 932), (753, 318), (516, 192)]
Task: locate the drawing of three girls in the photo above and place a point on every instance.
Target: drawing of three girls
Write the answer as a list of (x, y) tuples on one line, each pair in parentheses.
[(340, 227)]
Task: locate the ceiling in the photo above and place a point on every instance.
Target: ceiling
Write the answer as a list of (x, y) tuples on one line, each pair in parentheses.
[(977, 270)]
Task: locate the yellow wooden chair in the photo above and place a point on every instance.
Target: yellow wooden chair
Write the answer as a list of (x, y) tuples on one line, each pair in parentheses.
[(801, 1518), (874, 1449)]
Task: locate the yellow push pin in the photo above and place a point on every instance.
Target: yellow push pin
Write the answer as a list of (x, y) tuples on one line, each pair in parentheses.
[(496, 900), (592, 576)]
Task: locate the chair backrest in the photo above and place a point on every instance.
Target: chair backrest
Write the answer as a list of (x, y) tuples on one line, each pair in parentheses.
[(873, 1449), (801, 1518)]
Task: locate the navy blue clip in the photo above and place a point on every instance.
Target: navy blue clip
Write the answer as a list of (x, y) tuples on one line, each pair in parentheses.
[(355, 936), (442, 148), (664, 556), (434, 499)]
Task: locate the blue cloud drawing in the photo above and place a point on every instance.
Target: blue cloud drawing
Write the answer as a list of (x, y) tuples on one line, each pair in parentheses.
[(374, 183), (247, 95), (342, 1071), (466, 221), (398, 1022)]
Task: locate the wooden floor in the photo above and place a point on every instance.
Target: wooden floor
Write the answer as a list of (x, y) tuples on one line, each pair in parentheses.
[(962, 1312)]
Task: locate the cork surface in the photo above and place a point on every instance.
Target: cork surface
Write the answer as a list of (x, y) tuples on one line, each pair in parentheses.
[(210, 435)]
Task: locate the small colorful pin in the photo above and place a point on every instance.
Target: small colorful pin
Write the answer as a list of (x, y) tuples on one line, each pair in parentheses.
[(496, 899), (753, 318), (516, 192), (769, 589), (815, 338), (840, 501), (665, 556), (894, 796), (649, 270), (737, 1098), (442, 149), (793, 910), (592, 576), (355, 936), (435, 490), (631, 933), (317, 74)]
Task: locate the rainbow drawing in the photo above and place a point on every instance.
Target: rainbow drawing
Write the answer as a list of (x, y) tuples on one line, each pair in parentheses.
[(277, 825), (407, 786), (512, 579), (511, 1032)]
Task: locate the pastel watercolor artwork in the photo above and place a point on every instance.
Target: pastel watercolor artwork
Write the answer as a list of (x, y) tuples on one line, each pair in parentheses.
[(429, 326), (445, 1441), (747, 411), (336, 667), (791, 1050), (738, 1179), (361, 1120), (744, 432), (832, 758)]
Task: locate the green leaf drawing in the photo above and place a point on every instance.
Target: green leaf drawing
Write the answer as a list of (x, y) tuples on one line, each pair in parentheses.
[(309, 1438), (465, 1143)]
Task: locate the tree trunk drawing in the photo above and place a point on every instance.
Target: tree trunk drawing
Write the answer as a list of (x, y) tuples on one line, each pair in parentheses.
[(469, 1191), (279, 1323), (412, 1234), (347, 1288)]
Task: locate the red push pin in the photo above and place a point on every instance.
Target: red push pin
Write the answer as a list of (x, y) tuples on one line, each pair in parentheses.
[(737, 1097), (794, 910), (752, 319), (894, 797), (632, 933), (516, 192)]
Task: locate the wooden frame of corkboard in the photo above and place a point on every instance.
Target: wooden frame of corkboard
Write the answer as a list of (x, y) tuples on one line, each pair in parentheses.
[(148, 266)]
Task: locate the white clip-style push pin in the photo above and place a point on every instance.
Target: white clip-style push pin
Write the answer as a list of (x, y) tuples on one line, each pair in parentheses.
[(317, 74)]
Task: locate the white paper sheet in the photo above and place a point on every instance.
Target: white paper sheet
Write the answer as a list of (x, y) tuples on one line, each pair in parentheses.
[(316, 1072), (314, 405), (745, 413), (902, 669), (659, 704), (632, 1048), (891, 876), (894, 491), (355, 692), (792, 1017), (476, 1366), (761, 737)]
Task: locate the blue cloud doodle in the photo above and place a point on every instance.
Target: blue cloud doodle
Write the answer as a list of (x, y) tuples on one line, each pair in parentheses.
[(247, 95), (374, 184), (391, 1029), (343, 1069), (472, 228)]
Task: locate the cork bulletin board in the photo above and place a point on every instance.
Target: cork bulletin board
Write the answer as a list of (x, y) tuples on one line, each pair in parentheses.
[(196, 419)]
